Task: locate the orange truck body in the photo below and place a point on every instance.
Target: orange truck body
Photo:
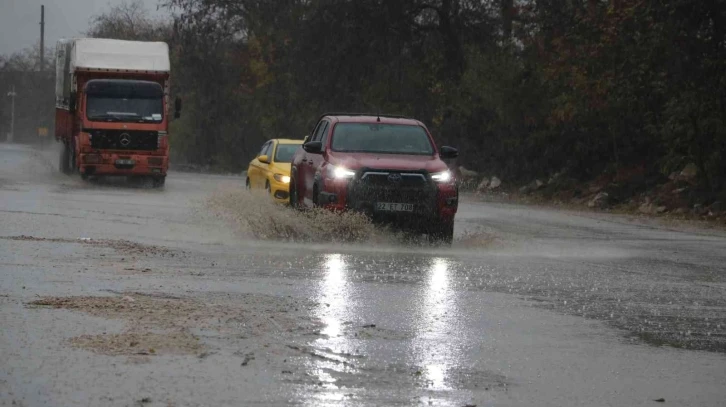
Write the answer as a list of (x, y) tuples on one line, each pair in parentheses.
[(125, 144)]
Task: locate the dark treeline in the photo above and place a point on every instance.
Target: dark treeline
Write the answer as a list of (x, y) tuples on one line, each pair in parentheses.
[(525, 89)]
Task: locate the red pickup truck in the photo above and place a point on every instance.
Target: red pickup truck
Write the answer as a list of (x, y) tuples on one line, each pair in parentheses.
[(387, 167)]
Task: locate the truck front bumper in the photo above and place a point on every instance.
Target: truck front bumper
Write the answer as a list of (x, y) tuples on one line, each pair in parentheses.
[(123, 164)]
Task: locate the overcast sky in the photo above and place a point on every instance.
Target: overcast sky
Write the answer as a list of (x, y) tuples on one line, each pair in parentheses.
[(20, 20)]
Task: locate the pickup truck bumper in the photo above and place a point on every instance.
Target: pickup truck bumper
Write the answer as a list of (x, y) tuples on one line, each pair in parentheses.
[(426, 201), (123, 164)]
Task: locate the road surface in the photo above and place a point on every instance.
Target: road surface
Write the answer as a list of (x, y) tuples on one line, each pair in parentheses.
[(118, 295)]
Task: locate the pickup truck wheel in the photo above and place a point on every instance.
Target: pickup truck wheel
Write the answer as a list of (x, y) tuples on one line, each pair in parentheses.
[(442, 233), (64, 160), (316, 198), (294, 203)]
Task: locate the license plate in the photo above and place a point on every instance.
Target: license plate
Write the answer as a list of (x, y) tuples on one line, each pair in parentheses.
[(394, 207), (125, 162)]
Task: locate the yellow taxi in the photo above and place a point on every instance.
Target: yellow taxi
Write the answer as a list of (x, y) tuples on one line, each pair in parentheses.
[(271, 168)]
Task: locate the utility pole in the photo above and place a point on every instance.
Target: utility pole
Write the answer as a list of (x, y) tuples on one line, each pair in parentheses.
[(42, 38), (12, 94)]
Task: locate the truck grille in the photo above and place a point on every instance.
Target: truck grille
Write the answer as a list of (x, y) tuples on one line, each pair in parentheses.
[(124, 140)]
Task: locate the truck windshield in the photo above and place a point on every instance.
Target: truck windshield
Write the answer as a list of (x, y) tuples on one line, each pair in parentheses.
[(124, 101), (285, 152), (381, 139)]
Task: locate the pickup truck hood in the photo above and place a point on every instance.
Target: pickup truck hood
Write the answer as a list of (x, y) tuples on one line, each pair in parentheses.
[(400, 162)]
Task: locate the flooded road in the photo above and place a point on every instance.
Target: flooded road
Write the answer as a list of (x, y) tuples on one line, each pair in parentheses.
[(119, 295)]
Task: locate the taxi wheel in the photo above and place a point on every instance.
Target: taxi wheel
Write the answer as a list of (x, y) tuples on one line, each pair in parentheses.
[(267, 187), (247, 184)]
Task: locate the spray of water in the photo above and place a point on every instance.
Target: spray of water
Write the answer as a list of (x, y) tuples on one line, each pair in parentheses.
[(254, 213)]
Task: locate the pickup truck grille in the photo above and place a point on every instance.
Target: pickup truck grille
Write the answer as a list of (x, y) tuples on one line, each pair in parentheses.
[(124, 140), (386, 179), (392, 186)]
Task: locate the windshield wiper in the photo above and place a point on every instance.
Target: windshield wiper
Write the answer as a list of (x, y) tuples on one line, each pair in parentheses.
[(106, 117), (149, 120), (110, 117)]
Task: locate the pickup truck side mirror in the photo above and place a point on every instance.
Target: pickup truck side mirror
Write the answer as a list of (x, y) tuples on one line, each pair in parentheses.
[(313, 147), (72, 102), (177, 108), (263, 159), (447, 152)]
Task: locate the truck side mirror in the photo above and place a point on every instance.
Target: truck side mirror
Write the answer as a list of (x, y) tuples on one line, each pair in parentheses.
[(72, 102), (177, 108)]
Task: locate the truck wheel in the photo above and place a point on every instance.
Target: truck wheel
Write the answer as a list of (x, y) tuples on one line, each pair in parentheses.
[(71, 158), (64, 160), (442, 233), (84, 176), (158, 182)]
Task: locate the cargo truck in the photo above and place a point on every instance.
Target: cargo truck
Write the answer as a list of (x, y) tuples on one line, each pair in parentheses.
[(112, 104)]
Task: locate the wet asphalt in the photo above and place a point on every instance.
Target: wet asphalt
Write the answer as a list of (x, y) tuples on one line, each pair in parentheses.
[(529, 307)]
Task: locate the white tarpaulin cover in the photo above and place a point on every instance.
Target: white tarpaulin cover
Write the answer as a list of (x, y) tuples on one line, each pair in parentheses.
[(97, 53)]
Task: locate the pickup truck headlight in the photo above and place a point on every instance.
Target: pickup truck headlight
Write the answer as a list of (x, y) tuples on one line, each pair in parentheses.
[(282, 178), (340, 172), (442, 177)]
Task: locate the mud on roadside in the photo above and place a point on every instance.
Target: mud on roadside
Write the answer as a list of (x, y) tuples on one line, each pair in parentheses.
[(122, 246), (161, 324)]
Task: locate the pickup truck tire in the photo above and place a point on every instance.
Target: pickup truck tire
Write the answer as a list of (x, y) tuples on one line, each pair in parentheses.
[(294, 201), (442, 233), (316, 196), (64, 160)]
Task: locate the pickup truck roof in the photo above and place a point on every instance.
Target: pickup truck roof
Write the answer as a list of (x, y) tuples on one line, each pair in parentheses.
[(370, 118)]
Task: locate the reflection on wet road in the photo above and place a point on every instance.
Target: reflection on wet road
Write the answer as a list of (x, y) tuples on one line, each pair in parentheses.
[(562, 309), (436, 326)]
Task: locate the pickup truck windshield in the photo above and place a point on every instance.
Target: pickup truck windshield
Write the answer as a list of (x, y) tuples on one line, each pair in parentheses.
[(381, 139), (124, 101)]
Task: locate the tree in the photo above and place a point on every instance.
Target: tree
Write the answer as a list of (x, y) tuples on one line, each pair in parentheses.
[(129, 21)]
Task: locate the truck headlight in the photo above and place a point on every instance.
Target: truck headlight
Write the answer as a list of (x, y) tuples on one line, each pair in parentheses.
[(282, 178), (340, 172), (441, 177)]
